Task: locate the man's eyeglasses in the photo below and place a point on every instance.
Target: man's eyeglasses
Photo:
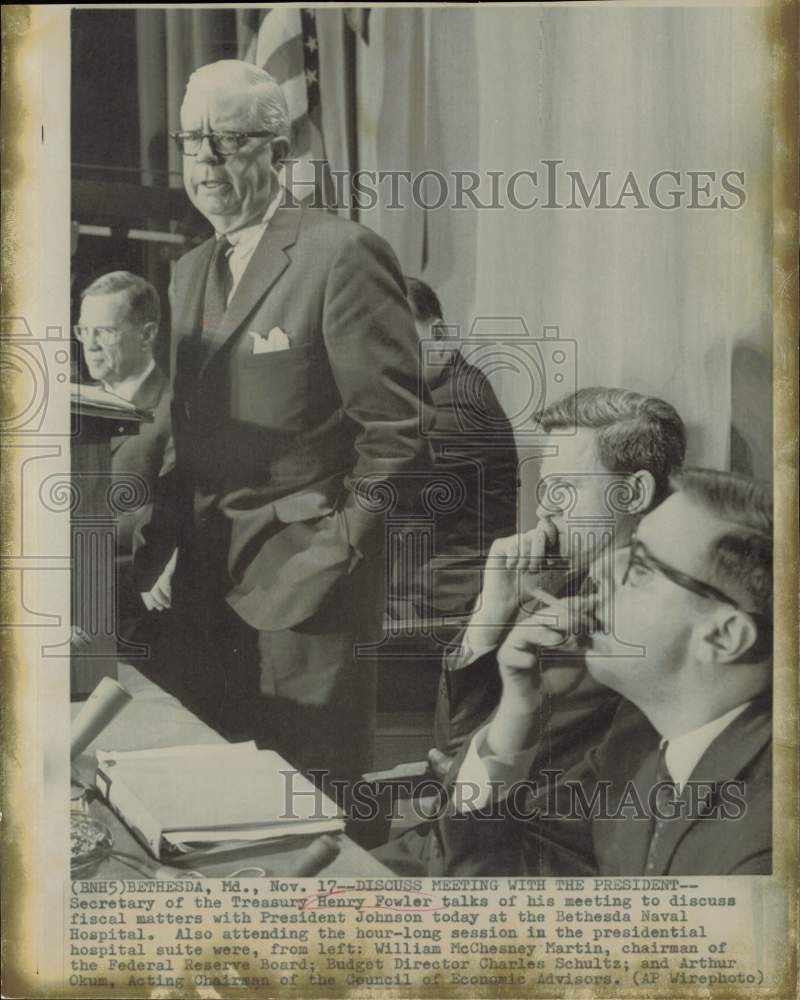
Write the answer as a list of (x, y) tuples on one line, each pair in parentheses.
[(641, 562), (222, 143), (104, 335)]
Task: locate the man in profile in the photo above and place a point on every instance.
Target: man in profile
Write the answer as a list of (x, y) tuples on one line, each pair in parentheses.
[(611, 453), (118, 326), (296, 413), (681, 784)]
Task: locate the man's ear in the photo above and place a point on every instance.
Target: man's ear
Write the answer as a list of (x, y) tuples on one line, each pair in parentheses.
[(280, 150), (149, 333), (643, 491), (725, 636)]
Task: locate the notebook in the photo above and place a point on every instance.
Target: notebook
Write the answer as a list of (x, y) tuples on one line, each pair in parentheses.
[(177, 800), (93, 401)]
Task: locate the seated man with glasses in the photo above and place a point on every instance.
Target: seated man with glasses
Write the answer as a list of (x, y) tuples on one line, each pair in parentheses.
[(682, 782), (609, 453), (117, 329)]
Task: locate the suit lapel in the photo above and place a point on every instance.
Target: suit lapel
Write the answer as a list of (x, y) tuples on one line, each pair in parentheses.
[(627, 759), (146, 397), (188, 314), (635, 832), (726, 757), (268, 262)]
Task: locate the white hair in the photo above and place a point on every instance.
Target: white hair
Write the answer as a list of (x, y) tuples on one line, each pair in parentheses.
[(268, 105)]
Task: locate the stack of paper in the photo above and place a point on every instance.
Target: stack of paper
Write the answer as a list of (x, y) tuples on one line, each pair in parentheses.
[(93, 401), (179, 799)]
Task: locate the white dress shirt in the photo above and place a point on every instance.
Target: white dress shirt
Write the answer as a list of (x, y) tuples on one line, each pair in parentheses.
[(482, 768), (128, 387), (683, 753), (244, 242)]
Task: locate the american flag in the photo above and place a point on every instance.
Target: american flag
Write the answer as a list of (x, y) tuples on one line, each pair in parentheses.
[(284, 42)]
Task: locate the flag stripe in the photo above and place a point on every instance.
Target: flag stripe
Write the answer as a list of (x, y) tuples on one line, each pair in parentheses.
[(286, 46), (296, 95), (278, 26), (287, 60)]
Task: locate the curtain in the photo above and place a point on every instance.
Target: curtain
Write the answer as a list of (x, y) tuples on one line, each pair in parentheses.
[(656, 300), (670, 302)]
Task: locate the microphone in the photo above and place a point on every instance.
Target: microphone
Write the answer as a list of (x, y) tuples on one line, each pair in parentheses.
[(103, 704), (318, 855)]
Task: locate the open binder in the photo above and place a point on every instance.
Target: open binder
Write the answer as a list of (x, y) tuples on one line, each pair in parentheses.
[(93, 401), (177, 800)]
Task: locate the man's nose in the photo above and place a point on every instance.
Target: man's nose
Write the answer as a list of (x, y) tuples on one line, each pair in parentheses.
[(207, 153), (602, 581)]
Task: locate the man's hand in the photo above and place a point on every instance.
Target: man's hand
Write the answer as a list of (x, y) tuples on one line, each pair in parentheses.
[(503, 590), (160, 597), (527, 551), (514, 725)]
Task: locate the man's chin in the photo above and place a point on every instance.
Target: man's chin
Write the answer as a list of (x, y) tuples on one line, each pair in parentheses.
[(602, 668)]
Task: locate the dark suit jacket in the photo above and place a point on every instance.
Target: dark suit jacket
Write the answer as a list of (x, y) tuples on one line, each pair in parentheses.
[(473, 442), (145, 455), (287, 461), (710, 844), (469, 694)]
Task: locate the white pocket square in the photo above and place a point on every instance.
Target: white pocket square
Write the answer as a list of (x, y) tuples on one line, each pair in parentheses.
[(266, 343)]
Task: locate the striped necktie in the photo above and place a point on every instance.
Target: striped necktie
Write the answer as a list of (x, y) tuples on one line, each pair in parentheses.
[(666, 792), (218, 286)]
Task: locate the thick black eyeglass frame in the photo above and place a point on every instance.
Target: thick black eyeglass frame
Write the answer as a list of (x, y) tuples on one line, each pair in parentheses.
[(638, 550), (238, 138)]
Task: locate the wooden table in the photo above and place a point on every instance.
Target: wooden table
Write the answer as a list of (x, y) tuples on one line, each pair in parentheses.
[(156, 719)]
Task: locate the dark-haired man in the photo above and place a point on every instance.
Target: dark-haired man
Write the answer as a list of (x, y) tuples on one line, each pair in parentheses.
[(681, 783), (611, 453)]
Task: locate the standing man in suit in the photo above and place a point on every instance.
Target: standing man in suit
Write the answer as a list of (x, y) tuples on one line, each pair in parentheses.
[(118, 325), (689, 750), (296, 413)]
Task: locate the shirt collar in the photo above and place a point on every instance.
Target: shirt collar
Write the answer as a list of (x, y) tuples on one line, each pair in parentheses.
[(683, 753), (248, 234), (128, 387)]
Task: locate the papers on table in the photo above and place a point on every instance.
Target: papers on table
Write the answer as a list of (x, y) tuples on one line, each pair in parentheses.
[(179, 799), (93, 401)]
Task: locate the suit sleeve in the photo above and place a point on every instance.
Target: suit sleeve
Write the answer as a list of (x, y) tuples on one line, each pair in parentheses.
[(372, 348), (156, 535), (508, 836)]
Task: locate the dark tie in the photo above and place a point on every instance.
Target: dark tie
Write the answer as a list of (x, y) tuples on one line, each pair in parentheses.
[(218, 286), (665, 797)]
